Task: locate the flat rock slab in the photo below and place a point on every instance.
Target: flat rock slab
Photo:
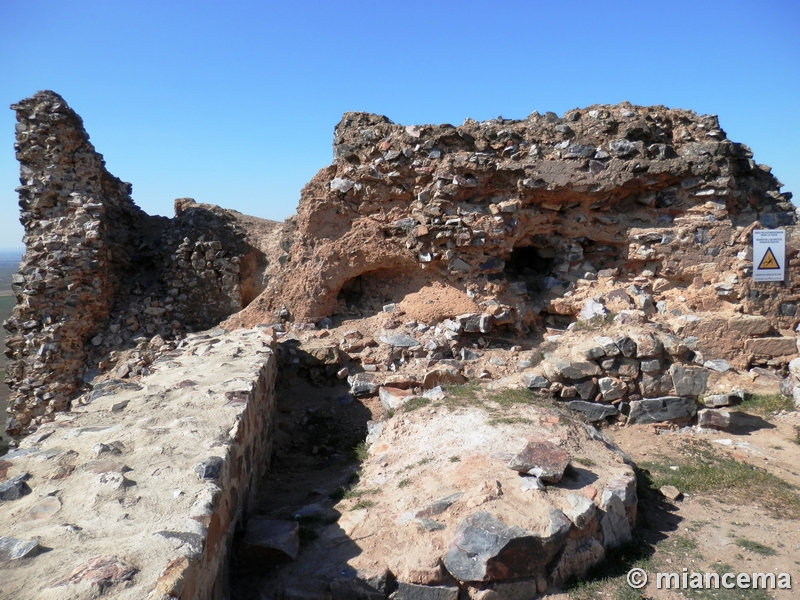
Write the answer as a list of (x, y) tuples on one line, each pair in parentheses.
[(661, 410), (410, 591), (592, 410), (541, 458), (486, 549), (13, 549), (399, 340), (103, 571)]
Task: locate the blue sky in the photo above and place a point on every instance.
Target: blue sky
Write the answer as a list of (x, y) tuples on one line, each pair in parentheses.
[(234, 103)]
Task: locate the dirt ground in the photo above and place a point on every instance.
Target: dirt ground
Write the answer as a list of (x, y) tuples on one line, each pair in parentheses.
[(709, 531)]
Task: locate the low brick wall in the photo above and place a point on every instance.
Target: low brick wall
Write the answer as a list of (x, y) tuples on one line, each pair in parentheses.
[(137, 493)]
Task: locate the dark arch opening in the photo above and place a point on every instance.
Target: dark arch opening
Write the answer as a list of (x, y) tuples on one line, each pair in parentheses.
[(529, 262)]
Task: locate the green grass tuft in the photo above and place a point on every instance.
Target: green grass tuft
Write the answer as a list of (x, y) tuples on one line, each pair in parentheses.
[(702, 471), (415, 403), (361, 452), (362, 504), (766, 404), (755, 547)]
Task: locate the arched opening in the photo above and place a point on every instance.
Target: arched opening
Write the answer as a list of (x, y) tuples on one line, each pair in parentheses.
[(529, 262), (531, 266)]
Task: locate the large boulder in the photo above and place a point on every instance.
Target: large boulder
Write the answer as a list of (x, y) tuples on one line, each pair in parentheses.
[(486, 549)]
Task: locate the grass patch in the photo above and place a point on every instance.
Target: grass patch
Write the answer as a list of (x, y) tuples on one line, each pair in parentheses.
[(607, 579), (419, 463), (403, 483), (766, 404), (415, 403), (455, 459), (361, 451), (701, 471), (755, 547), (316, 521), (508, 421), (356, 493), (586, 462), (340, 492), (471, 394), (796, 438), (468, 391), (362, 504), (536, 358)]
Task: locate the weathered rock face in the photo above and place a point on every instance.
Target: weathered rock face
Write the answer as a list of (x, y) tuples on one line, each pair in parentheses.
[(98, 272), (518, 211)]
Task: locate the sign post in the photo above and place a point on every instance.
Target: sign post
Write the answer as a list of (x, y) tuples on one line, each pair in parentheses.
[(769, 254)]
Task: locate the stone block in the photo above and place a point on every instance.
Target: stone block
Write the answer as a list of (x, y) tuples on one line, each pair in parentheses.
[(534, 381), (410, 591), (777, 346), (717, 419), (715, 400), (13, 549), (399, 340), (580, 510), (611, 388), (652, 365), (647, 345), (608, 345), (661, 410), (673, 345), (614, 521), (559, 369), (593, 411), (541, 458), (689, 381), (626, 367), (653, 385)]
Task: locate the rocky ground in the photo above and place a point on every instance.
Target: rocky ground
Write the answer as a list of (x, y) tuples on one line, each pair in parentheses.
[(361, 507)]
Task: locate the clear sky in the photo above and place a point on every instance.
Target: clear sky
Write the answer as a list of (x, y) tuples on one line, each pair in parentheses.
[(234, 103)]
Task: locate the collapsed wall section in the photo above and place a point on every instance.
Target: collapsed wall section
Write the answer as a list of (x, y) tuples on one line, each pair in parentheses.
[(100, 276), (81, 228)]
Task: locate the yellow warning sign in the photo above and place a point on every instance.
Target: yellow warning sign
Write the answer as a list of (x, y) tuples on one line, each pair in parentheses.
[(769, 261)]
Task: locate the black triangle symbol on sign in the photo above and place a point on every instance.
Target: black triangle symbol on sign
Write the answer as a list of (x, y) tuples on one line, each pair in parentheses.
[(769, 261)]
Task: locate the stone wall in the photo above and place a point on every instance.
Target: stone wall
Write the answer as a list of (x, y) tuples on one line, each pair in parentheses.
[(137, 493), (532, 217), (99, 275)]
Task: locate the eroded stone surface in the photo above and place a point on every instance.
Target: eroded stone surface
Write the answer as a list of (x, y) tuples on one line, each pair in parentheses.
[(122, 522)]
